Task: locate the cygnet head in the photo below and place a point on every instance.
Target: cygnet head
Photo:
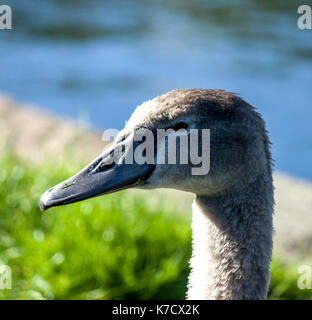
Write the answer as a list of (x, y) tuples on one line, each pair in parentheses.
[(236, 146)]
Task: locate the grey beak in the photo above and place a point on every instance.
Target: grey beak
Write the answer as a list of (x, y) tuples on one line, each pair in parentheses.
[(101, 176)]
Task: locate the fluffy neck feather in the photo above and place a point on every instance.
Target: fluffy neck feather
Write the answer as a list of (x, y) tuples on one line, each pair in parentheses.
[(232, 244)]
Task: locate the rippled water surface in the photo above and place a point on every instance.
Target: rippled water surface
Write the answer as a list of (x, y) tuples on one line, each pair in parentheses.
[(100, 59)]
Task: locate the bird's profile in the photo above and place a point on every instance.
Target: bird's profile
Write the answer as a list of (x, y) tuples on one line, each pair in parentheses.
[(232, 211)]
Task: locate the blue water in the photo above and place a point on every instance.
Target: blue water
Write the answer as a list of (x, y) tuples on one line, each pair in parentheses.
[(99, 60)]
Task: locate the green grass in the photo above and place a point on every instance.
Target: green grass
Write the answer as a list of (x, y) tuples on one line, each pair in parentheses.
[(112, 247)]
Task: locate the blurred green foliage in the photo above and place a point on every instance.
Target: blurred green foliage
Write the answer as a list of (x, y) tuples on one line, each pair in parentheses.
[(113, 247)]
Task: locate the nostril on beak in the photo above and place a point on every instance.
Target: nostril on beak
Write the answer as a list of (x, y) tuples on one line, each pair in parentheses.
[(105, 166), (108, 162)]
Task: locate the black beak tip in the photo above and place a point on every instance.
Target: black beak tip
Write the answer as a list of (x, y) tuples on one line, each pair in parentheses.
[(43, 203), (42, 206)]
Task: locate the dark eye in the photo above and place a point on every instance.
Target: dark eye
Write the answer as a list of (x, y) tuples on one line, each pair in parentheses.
[(180, 125)]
